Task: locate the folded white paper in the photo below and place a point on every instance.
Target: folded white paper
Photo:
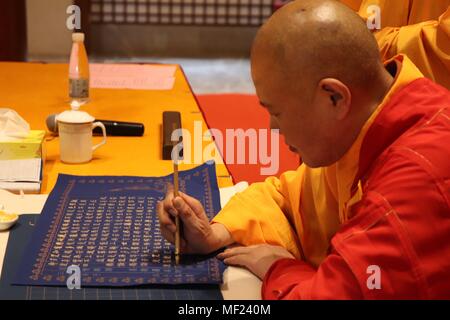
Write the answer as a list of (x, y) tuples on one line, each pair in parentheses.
[(23, 170)]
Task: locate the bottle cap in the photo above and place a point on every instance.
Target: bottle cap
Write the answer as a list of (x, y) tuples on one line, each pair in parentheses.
[(75, 105), (78, 37)]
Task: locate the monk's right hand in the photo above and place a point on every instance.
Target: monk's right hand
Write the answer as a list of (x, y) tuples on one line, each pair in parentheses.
[(198, 236)]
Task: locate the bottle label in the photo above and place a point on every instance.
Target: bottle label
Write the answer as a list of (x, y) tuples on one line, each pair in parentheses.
[(79, 88)]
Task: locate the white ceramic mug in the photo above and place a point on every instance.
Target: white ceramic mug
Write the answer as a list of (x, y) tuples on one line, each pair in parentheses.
[(75, 139)]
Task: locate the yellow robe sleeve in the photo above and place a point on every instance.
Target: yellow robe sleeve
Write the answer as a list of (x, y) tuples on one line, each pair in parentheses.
[(299, 211), (427, 44), (264, 212)]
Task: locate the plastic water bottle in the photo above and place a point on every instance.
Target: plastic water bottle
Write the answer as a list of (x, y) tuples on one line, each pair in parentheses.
[(78, 71)]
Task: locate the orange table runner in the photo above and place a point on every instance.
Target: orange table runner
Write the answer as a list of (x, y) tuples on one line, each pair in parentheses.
[(36, 90)]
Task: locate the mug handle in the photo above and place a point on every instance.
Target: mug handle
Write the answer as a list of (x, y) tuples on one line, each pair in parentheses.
[(101, 125)]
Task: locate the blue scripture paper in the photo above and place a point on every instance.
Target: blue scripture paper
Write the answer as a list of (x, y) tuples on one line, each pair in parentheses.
[(20, 235), (108, 227)]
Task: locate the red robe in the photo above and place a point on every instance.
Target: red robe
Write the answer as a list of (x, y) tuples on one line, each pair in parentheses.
[(401, 225)]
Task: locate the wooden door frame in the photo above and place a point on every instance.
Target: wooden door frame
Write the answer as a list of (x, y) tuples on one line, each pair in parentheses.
[(13, 30)]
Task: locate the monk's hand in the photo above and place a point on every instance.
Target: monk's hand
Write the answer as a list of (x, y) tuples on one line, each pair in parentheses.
[(198, 235), (257, 259)]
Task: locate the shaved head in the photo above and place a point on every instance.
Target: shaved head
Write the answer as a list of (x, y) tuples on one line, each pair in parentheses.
[(317, 70), (316, 39)]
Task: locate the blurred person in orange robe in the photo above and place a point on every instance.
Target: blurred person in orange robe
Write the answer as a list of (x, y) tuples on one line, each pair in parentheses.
[(419, 29)]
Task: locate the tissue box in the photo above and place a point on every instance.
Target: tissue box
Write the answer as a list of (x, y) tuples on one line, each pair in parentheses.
[(22, 163), (26, 148)]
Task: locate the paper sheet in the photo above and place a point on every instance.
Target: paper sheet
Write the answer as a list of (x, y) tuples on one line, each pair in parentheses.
[(19, 237), (132, 76), (25, 170)]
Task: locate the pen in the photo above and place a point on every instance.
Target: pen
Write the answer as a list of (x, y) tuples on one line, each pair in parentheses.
[(177, 218)]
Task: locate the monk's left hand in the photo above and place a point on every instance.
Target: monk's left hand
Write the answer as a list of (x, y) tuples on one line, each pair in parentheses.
[(257, 259)]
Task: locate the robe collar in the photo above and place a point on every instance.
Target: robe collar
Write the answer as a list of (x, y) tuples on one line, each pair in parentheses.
[(348, 167)]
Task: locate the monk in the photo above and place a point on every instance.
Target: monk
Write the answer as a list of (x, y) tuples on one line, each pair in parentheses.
[(366, 216)]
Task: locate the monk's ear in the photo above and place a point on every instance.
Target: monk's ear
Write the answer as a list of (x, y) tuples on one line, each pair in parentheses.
[(337, 95)]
